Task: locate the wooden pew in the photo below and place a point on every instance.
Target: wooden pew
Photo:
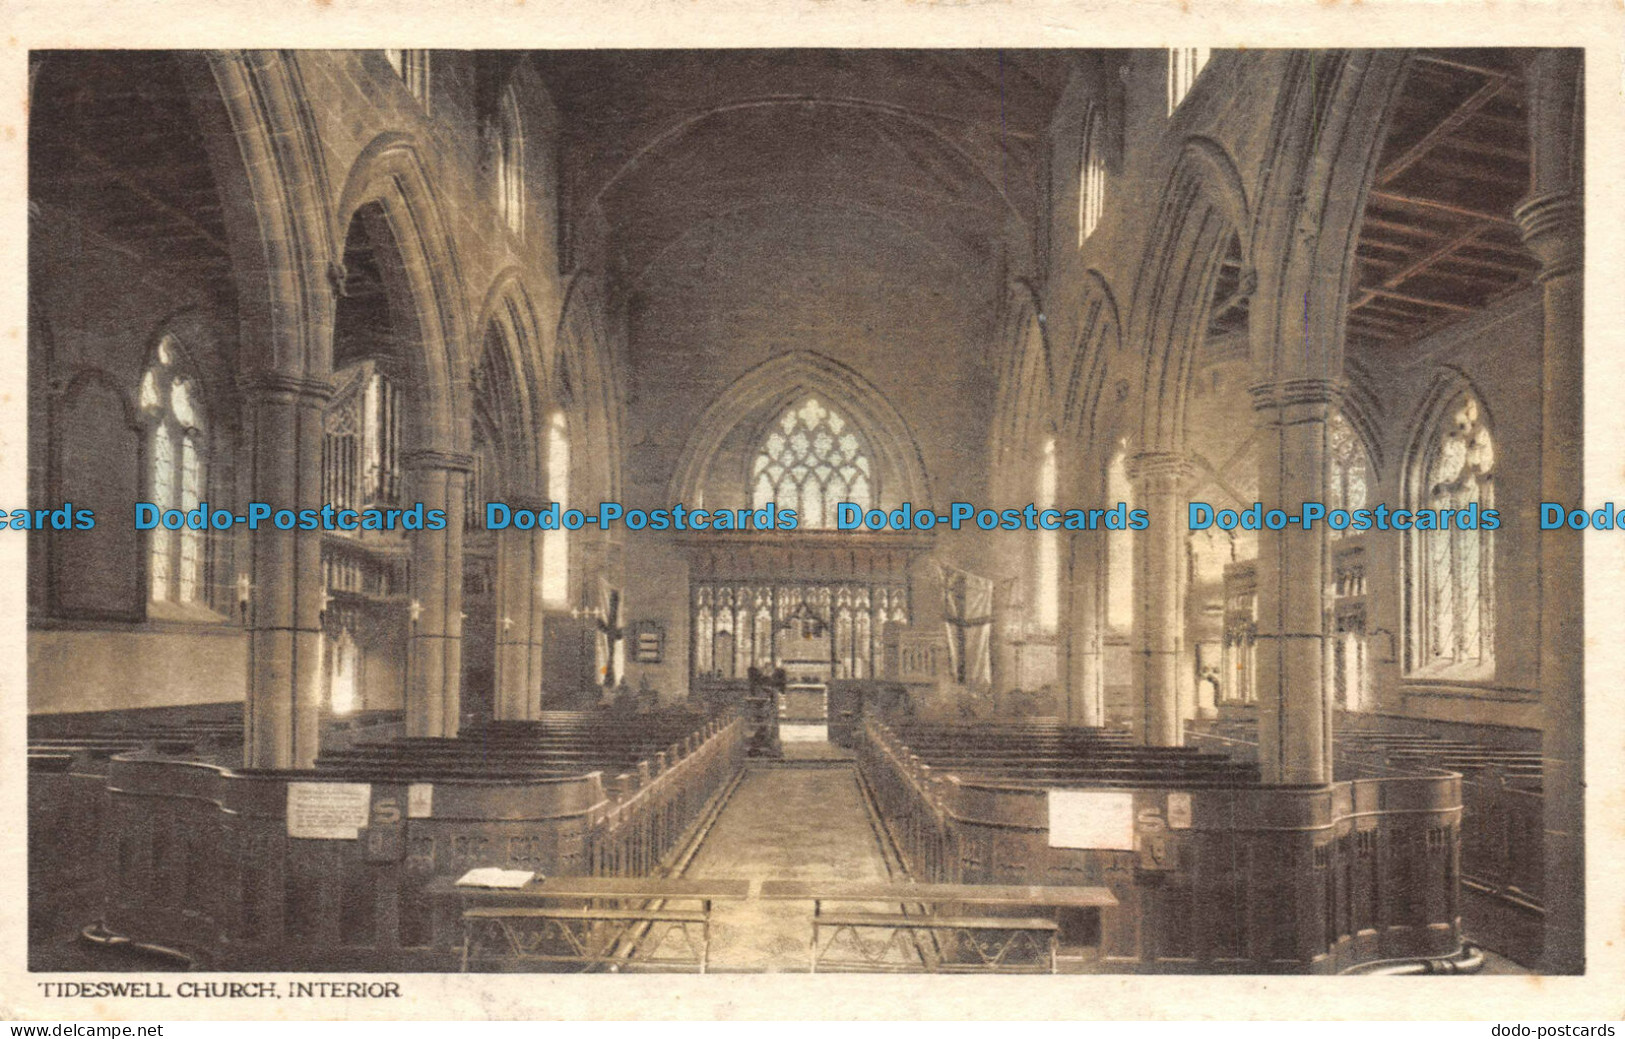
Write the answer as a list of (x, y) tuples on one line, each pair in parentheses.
[(205, 859), (1502, 839), (1212, 871)]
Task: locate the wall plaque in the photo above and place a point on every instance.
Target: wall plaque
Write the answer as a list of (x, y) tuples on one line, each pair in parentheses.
[(420, 800), (328, 811), (649, 646), (1179, 810)]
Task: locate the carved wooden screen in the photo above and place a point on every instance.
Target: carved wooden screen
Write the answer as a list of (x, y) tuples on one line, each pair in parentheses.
[(738, 625)]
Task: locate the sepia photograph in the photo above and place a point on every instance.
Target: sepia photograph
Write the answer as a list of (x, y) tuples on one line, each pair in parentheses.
[(898, 510)]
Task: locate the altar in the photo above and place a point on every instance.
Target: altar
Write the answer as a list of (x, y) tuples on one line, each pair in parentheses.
[(804, 706)]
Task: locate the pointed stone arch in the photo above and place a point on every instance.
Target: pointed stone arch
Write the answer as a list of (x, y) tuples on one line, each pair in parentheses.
[(1025, 411), (274, 193), (1099, 344), (1327, 137), (1204, 206), (514, 358), (391, 175), (581, 377)]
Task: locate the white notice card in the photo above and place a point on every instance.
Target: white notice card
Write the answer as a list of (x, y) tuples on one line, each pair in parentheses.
[(1091, 819), (328, 811), (494, 876)]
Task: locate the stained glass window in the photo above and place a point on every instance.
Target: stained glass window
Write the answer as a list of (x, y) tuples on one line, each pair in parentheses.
[(1092, 176), (163, 496), (169, 400), (510, 166), (191, 561), (1350, 468), (811, 461), (1457, 579)]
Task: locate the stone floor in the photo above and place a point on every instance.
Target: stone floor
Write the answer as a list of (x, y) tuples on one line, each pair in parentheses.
[(811, 822), (784, 824), (1495, 964)]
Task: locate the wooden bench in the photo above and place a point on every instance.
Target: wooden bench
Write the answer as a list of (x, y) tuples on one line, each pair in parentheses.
[(945, 942), (531, 928)]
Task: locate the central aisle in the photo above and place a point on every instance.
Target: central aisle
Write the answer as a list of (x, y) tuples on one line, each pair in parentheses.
[(784, 824)]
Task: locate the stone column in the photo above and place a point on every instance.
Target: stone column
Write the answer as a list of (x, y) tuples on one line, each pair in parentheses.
[(1002, 662), (1553, 226), (1160, 480), (1294, 713), (434, 657), (538, 623), (1085, 557), (519, 600), (281, 718)]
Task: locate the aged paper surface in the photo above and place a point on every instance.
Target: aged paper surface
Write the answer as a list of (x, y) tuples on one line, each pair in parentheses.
[(1597, 27)]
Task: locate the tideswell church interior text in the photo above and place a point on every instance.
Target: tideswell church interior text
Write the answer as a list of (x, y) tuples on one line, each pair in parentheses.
[(418, 280)]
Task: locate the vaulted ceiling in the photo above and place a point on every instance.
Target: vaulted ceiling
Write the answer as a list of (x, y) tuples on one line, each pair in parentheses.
[(940, 144)]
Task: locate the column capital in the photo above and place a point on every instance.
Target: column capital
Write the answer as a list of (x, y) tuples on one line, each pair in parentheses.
[(1553, 227), (449, 461), (283, 388), (1288, 393), (1168, 467)]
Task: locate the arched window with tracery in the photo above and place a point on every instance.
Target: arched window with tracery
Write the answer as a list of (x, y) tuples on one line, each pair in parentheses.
[(510, 163), (1119, 550), (1457, 626), (413, 68), (1092, 175), (1184, 65), (811, 460), (556, 543), (1350, 473), (1348, 479), (171, 401)]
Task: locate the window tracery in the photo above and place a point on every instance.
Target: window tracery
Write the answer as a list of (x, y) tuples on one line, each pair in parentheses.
[(169, 398), (811, 460), (1458, 614)]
